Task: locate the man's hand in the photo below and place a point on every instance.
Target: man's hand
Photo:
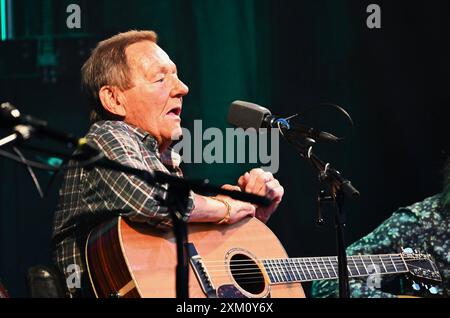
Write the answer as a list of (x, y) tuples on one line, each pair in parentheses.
[(262, 183)]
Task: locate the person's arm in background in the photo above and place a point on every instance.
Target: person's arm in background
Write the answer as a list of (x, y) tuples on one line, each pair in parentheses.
[(400, 230)]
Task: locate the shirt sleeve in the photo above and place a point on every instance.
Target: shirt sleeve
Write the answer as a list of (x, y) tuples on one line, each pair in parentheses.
[(106, 191), (396, 232)]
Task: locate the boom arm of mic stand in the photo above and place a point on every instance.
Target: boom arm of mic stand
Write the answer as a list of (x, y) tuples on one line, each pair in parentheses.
[(324, 169), (199, 187)]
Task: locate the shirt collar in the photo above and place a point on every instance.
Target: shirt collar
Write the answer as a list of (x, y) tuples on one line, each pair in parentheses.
[(169, 157)]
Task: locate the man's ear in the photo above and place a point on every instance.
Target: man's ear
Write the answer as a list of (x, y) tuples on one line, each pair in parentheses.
[(112, 100)]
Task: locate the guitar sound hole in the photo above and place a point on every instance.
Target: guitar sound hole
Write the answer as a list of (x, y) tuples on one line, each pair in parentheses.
[(247, 274)]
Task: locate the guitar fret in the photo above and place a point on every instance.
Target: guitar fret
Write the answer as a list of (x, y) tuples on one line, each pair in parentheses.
[(321, 273), (400, 263), (395, 267), (369, 265), (272, 273), (382, 263), (332, 266), (280, 270), (312, 267), (405, 267), (307, 268), (287, 270), (349, 270), (301, 268), (323, 262), (269, 270), (294, 274), (360, 267), (364, 265), (266, 264), (349, 267), (299, 274), (275, 270), (387, 262), (356, 266), (283, 274), (293, 270), (375, 266)]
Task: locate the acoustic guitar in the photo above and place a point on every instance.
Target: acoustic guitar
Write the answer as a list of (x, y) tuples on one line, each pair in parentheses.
[(241, 260)]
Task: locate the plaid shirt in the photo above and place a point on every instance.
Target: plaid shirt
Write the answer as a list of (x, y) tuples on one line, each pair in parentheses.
[(89, 196)]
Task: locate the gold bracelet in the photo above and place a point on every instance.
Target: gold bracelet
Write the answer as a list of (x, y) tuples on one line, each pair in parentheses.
[(227, 216)]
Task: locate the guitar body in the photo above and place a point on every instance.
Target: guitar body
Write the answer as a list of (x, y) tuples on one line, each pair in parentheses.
[(133, 260)]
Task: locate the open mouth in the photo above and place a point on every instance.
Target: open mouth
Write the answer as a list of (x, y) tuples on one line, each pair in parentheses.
[(175, 111)]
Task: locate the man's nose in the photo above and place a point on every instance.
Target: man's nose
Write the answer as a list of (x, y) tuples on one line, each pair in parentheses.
[(180, 89)]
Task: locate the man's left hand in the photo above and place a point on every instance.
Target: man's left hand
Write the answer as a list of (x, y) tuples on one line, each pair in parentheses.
[(262, 183)]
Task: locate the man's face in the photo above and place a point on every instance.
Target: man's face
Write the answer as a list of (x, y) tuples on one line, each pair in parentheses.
[(155, 100)]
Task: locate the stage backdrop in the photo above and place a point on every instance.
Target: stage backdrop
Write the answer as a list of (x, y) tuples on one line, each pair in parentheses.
[(285, 55)]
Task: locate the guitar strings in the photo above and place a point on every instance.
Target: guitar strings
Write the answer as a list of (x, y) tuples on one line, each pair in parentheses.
[(286, 276), (306, 262), (251, 268), (309, 264), (395, 257)]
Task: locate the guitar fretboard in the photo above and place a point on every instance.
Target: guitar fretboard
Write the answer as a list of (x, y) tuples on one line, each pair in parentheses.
[(317, 268)]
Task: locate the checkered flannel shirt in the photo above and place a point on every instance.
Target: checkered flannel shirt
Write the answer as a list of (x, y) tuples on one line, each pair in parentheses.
[(89, 196)]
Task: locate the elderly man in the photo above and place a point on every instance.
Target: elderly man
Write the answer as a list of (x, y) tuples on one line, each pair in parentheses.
[(136, 98)]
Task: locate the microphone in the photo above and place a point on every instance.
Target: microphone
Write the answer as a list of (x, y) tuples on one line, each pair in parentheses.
[(10, 116), (248, 115)]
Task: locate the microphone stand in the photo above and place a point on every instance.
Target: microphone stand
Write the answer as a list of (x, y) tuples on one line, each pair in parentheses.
[(177, 201), (339, 188)]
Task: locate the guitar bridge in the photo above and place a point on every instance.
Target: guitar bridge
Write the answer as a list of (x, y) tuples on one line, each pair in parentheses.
[(201, 272)]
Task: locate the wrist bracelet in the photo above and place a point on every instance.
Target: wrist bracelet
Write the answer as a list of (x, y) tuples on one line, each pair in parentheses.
[(227, 216)]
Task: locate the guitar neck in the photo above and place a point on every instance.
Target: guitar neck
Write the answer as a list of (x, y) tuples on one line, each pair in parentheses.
[(304, 269)]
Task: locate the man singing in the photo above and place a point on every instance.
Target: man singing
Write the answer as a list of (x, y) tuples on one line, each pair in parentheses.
[(136, 98)]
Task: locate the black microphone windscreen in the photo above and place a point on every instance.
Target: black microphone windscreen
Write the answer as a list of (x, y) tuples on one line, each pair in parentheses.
[(246, 115)]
